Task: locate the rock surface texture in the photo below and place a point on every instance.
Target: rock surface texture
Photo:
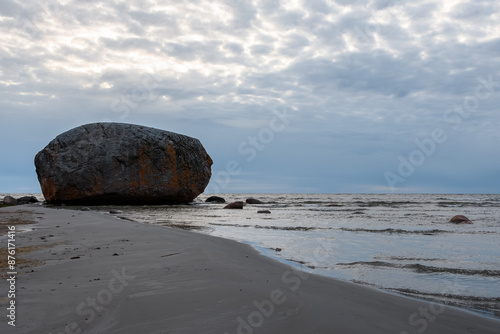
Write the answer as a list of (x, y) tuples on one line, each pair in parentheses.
[(10, 200), (27, 200), (234, 205), (460, 219), (253, 201), (116, 163), (215, 199)]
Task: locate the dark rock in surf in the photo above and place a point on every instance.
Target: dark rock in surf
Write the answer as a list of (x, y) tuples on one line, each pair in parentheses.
[(27, 200), (234, 205), (459, 219), (264, 211), (253, 201), (9, 200), (215, 199), (116, 163)]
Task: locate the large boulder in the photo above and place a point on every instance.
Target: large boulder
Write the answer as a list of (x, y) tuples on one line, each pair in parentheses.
[(116, 163)]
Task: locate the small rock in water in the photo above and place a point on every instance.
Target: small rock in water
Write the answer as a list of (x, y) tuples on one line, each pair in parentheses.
[(263, 211), (215, 199), (85, 209), (235, 205), (9, 200), (27, 200), (253, 201), (115, 211), (460, 219)]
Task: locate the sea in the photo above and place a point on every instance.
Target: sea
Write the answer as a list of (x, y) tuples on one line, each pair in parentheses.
[(400, 243)]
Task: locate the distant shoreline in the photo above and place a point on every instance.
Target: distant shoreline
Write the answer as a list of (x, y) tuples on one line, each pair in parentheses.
[(102, 274)]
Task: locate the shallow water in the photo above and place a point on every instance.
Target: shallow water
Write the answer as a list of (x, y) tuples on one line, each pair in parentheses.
[(398, 242)]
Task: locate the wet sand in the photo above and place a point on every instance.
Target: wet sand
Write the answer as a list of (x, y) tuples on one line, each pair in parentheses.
[(96, 273)]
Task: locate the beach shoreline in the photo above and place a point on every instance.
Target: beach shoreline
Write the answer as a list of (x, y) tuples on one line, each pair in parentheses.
[(99, 274)]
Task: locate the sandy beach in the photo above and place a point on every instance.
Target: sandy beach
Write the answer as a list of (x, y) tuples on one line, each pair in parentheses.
[(96, 273)]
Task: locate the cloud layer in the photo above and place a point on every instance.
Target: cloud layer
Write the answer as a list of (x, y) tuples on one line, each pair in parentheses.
[(358, 85)]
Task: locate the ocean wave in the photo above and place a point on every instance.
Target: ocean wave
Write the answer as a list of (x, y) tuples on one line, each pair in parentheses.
[(403, 258), (446, 295), (424, 269), (182, 226), (420, 268), (281, 228), (347, 229), (290, 228), (305, 264), (383, 203), (422, 232), (230, 225), (486, 305), (395, 231), (451, 204), (312, 202)]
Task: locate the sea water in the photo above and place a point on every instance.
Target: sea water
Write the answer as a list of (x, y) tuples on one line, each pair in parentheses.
[(401, 243)]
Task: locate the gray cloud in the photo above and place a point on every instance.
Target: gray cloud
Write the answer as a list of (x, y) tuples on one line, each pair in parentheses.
[(234, 48), (361, 82), (261, 49), (474, 10), (320, 6)]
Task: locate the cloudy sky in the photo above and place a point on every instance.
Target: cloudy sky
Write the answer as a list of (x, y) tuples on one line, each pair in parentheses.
[(285, 95)]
